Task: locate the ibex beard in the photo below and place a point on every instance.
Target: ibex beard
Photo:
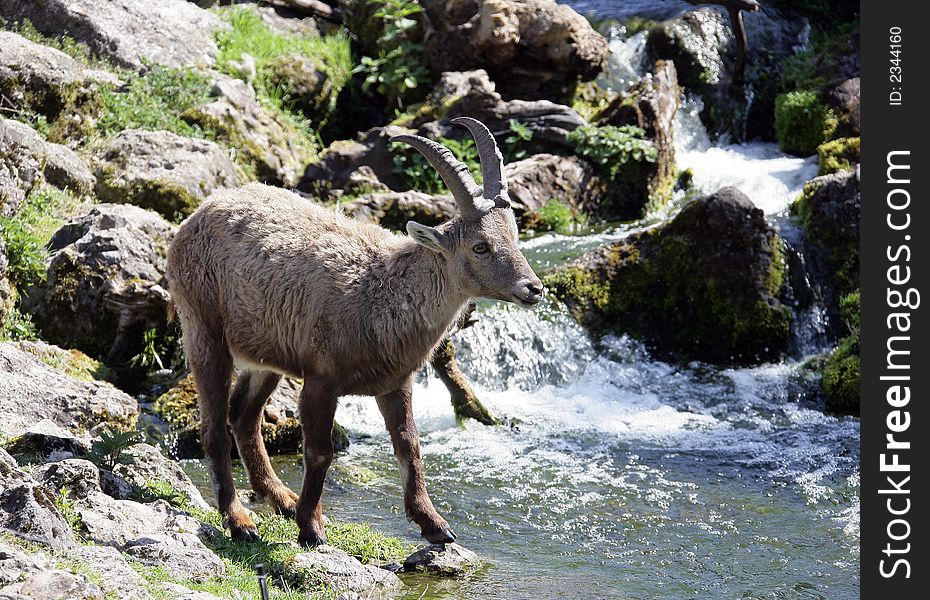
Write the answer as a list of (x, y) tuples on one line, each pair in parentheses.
[(275, 285)]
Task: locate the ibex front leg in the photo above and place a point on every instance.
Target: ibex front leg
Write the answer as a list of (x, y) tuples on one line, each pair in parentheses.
[(317, 410), (397, 408)]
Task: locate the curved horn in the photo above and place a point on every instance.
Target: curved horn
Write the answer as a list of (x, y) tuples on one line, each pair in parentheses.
[(492, 162), (453, 172)]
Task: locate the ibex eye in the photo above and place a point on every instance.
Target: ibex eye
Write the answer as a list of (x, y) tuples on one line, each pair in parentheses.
[(480, 248)]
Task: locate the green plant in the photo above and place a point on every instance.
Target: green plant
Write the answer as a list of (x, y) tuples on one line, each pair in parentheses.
[(398, 68), (555, 215), (155, 100), (799, 122), (18, 326), (65, 506), (611, 147), (148, 356), (160, 489), (419, 175), (513, 143), (838, 155), (109, 449)]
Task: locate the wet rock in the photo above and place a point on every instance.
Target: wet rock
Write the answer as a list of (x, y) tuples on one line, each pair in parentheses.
[(45, 81), (161, 171), (342, 572), (703, 286), (130, 33), (27, 509), (395, 209), (844, 99), (268, 144), (105, 282), (26, 160), (474, 94), (182, 555), (117, 576), (442, 559), (31, 391), (829, 210), (533, 48)]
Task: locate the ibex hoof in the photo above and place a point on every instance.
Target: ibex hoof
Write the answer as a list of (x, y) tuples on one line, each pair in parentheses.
[(444, 535), (248, 533), (311, 540)]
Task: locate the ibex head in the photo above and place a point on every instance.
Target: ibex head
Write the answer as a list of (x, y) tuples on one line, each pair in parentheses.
[(480, 245)]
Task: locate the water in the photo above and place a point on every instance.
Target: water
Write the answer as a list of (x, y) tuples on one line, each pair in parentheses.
[(620, 476)]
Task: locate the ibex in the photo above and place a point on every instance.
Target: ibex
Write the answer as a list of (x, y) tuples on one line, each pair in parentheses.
[(271, 283)]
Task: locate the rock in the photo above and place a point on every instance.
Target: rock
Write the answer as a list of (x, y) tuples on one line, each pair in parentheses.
[(26, 160), (182, 555), (105, 282), (53, 584), (7, 292), (72, 362), (535, 180), (150, 465), (532, 48), (474, 94), (49, 441), (702, 286), (363, 180), (844, 99), (45, 81), (306, 84), (27, 509), (179, 592), (336, 569), (130, 33), (268, 144), (14, 564), (394, 209), (118, 578), (344, 158), (829, 210), (280, 429), (31, 391), (161, 171), (442, 559)]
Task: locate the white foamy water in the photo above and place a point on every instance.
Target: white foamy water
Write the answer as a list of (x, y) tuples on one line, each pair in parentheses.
[(771, 178)]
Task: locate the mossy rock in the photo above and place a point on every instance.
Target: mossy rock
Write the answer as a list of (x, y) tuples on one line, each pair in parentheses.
[(179, 407), (703, 286), (306, 83), (841, 376), (838, 155), (800, 118)]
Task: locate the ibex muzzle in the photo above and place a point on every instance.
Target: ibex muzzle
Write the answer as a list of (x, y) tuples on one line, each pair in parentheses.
[(277, 285)]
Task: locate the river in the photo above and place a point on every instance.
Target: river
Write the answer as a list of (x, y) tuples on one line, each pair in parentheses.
[(622, 476)]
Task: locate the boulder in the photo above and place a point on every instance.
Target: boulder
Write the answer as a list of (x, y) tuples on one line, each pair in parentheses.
[(7, 292), (829, 210), (306, 84), (118, 578), (53, 583), (46, 440), (129, 33), (31, 391), (44, 81), (162, 171), (703, 286), (338, 570), (105, 282), (474, 94), (26, 160), (535, 180), (844, 100), (179, 592), (533, 48), (27, 509), (270, 146), (394, 209), (149, 465), (442, 559)]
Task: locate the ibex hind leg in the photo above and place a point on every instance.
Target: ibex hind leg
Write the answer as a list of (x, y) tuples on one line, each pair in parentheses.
[(211, 365), (246, 407)]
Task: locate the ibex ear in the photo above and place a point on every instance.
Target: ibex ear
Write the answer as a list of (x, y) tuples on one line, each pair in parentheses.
[(426, 236)]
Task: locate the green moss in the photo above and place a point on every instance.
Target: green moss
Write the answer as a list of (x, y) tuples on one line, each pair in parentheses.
[(838, 155), (178, 406), (841, 376), (168, 198), (799, 122), (582, 287), (589, 100), (850, 310)]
